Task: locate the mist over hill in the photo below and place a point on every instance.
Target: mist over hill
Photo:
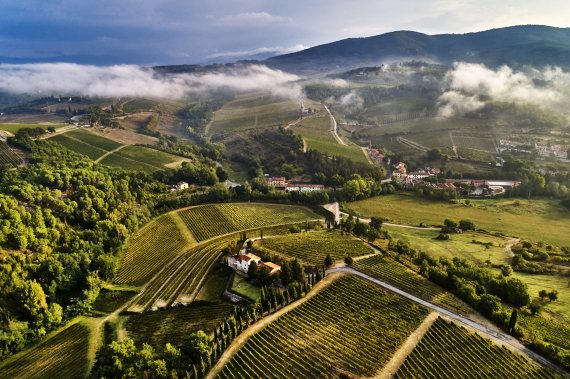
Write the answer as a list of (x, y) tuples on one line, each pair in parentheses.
[(514, 46)]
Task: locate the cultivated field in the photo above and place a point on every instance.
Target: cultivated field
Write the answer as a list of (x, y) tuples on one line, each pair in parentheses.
[(207, 221), (352, 327), (449, 351), (8, 157), (256, 110), (536, 220), (65, 353), (459, 245), (140, 158), (398, 275), (153, 246), (312, 247), (176, 324)]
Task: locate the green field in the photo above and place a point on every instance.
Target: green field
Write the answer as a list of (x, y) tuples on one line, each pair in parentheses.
[(8, 157), (352, 328), (316, 131), (152, 247), (449, 351), (459, 245), (207, 221), (535, 220), (395, 273), (256, 110), (215, 283), (139, 158), (65, 353), (74, 144), (92, 139), (559, 283), (312, 247), (14, 127), (176, 324), (241, 287)]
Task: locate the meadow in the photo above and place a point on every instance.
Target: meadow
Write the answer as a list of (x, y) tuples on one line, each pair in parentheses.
[(535, 220), (352, 327), (65, 353), (459, 245), (312, 247), (449, 351)]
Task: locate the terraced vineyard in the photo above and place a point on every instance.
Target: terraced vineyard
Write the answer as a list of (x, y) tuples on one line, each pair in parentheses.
[(449, 351), (176, 324), (180, 279), (153, 246), (351, 327), (387, 269), (207, 221), (8, 157), (64, 355), (313, 247)]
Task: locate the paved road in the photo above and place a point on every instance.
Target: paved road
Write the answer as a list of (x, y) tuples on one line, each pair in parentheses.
[(493, 334)]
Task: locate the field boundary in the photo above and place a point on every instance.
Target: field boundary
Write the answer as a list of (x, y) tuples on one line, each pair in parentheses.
[(109, 153), (406, 348)]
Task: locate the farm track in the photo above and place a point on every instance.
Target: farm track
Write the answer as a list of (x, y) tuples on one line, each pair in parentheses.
[(334, 127), (412, 144), (109, 153), (494, 334)]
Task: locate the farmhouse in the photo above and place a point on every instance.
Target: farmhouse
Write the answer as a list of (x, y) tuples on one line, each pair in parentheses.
[(270, 266), (180, 186), (241, 262)]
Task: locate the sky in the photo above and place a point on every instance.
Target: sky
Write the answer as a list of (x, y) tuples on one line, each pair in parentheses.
[(154, 32)]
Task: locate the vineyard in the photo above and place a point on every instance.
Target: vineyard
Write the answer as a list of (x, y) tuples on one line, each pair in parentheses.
[(449, 351), (63, 355), (212, 220), (175, 325), (395, 273), (152, 247), (8, 157), (351, 327), (140, 158), (180, 279), (312, 248)]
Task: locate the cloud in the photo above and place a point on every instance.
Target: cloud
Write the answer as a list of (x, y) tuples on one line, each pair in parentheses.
[(468, 86), (259, 50), (352, 101), (251, 17), (135, 81)]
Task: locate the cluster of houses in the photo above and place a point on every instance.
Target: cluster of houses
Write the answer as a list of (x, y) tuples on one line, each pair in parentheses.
[(466, 187), (544, 150), (376, 156), (280, 182)]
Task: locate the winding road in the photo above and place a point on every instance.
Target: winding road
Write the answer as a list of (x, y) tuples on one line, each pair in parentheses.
[(334, 127)]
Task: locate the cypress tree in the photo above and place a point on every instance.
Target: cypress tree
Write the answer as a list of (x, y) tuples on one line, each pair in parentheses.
[(195, 372)]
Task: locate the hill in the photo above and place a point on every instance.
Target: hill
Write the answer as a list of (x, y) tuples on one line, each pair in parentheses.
[(515, 46)]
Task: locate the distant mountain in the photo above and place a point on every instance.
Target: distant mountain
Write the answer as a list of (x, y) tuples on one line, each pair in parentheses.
[(515, 46)]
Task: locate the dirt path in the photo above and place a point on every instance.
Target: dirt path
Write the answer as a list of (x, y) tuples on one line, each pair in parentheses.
[(58, 131), (109, 153), (334, 127), (510, 244), (259, 325), (305, 147), (406, 348), (365, 151)]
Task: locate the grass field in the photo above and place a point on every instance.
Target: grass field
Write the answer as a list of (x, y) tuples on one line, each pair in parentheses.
[(256, 110), (449, 351), (65, 353), (176, 324), (352, 327), (14, 127), (312, 247), (559, 283), (92, 139), (395, 273), (207, 221), (536, 220), (215, 284), (459, 245), (316, 131), (152, 247), (241, 287)]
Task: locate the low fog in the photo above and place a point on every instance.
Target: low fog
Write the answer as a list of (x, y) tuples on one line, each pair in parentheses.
[(135, 81), (468, 87)]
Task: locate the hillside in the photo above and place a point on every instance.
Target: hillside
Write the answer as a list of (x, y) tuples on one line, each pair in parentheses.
[(515, 46)]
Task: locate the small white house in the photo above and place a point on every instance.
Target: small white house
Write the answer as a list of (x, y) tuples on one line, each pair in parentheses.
[(242, 262), (180, 186)]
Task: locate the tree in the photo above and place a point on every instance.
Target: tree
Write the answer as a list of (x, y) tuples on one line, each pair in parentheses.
[(328, 260), (466, 225), (348, 261), (252, 270), (297, 271), (360, 229), (542, 294), (489, 304), (513, 321), (376, 223), (198, 346), (286, 275), (506, 270), (553, 295), (33, 299)]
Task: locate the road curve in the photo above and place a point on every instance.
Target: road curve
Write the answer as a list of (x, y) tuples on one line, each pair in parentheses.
[(493, 334)]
